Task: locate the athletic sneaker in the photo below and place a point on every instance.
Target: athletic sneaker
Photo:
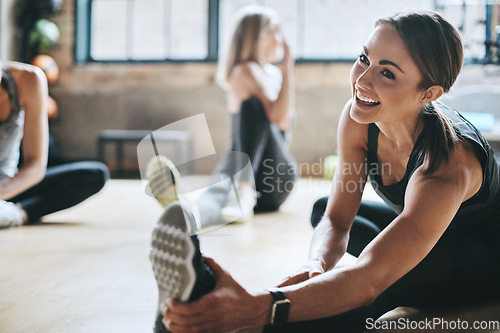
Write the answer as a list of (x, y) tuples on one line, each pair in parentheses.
[(10, 215), (239, 208), (163, 179), (178, 266), (164, 182)]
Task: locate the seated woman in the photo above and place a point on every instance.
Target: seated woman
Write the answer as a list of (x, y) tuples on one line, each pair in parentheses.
[(29, 190), (260, 98), (261, 101), (440, 245)]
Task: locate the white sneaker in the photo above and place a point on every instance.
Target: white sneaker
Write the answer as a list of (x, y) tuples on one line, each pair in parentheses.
[(164, 183), (10, 215), (241, 203), (178, 265), (171, 254), (163, 179)]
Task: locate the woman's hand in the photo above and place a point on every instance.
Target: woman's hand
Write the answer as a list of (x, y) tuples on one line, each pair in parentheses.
[(309, 270), (227, 308), (288, 60)]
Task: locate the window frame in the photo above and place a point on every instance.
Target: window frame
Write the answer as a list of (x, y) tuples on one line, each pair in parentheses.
[(82, 48), (82, 45), (83, 10)]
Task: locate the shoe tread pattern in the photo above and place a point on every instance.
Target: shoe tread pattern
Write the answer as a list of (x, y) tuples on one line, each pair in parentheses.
[(171, 257)]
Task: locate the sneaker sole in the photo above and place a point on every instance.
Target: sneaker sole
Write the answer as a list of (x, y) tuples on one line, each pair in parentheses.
[(163, 180), (172, 255)]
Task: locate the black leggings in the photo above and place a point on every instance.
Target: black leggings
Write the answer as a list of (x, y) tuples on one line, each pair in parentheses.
[(274, 168), (371, 219), (462, 268), (62, 187)]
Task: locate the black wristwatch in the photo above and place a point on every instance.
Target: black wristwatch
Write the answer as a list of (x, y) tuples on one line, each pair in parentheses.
[(280, 308)]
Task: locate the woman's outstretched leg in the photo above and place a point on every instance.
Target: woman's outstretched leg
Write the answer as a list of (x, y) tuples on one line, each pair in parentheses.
[(231, 194), (463, 268), (63, 186)]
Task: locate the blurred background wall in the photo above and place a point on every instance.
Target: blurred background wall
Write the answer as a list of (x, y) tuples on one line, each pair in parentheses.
[(95, 96)]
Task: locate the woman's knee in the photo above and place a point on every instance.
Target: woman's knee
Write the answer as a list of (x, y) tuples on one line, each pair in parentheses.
[(362, 232), (273, 189), (252, 112), (268, 203), (378, 212), (91, 174), (97, 173), (318, 211)]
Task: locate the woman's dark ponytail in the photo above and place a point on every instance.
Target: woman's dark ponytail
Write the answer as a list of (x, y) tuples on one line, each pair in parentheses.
[(439, 137)]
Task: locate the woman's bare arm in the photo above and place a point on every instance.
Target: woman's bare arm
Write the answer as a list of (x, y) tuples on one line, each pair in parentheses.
[(330, 238), (33, 94), (250, 80), (329, 242), (399, 247), (392, 254)]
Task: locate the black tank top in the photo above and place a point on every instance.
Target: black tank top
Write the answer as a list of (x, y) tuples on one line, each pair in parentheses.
[(481, 210)]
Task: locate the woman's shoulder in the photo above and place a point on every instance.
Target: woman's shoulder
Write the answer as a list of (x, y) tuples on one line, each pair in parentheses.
[(25, 74), (248, 71), (30, 81), (350, 132), (465, 154), (347, 122), (461, 173), (27, 77)]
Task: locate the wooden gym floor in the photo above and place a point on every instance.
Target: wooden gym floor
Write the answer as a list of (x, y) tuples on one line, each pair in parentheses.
[(86, 269)]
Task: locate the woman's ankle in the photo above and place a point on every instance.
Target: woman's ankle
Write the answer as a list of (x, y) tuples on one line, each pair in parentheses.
[(23, 214)]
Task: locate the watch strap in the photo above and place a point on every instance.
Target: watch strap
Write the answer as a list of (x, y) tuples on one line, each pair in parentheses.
[(280, 308)]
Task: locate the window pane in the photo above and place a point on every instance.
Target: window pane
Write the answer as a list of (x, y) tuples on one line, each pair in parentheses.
[(315, 29), (323, 29), (288, 13), (148, 29), (227, 9), (109, 32), (189, 29), (286, 10), (471, 19), (321, 25), (337, 29)]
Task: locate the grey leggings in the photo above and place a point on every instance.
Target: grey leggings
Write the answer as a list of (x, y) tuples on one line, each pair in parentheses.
[(462, 268), (274, 168)]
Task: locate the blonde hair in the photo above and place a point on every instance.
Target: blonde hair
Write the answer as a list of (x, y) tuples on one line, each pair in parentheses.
[(245, 40)]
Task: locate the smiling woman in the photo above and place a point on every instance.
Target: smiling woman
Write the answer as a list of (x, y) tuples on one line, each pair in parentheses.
[(434, 242)]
